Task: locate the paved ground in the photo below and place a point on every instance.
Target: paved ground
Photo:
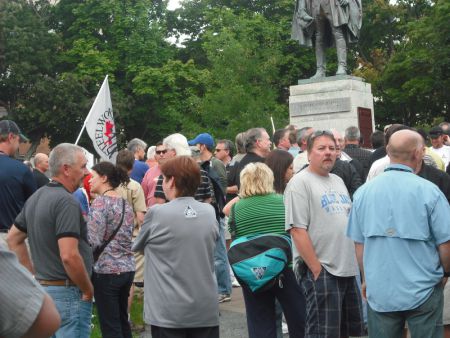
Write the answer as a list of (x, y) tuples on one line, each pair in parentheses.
[(233, 323)]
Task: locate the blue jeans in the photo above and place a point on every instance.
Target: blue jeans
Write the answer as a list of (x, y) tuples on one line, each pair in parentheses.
[(75, 313), (221, 264)]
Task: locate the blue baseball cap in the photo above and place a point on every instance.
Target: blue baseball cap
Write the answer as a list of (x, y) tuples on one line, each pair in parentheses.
[(204, 138)]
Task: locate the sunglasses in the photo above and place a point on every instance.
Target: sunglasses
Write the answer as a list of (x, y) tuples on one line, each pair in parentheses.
[(317, 134), (159, 152), (219, 150)]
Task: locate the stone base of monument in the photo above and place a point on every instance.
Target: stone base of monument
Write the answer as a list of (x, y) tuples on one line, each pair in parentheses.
[(333, 102)]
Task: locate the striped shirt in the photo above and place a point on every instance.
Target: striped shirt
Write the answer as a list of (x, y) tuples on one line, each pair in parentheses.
[(203, 191), (262, 214)]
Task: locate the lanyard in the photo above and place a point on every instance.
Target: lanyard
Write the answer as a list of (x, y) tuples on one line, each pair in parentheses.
[(398, 169)]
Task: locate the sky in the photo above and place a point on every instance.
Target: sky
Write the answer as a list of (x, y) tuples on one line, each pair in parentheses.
[(173, 4)]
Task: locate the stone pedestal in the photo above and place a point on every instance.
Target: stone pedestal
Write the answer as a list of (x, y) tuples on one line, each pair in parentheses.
[(333, 102)]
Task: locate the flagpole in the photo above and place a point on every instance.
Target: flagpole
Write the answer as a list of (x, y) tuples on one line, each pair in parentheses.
[(90, 112), (273, 125)]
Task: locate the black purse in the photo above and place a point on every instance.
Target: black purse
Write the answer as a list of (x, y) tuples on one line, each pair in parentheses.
[(98, 251)]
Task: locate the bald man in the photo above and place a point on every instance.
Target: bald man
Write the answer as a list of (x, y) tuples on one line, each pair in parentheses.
[(400, 223), (40, 168)]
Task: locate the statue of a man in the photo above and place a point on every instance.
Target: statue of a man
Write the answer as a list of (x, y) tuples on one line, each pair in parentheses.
[(323, 23)]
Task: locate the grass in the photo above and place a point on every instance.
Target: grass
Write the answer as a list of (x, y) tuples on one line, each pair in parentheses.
[(136, 317)]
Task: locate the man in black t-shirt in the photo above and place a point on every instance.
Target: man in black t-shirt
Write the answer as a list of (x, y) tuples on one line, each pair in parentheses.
[(40, 167), (257, 145)]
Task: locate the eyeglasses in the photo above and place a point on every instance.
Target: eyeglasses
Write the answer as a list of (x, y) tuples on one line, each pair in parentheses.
[(159, 152), (219, 150)]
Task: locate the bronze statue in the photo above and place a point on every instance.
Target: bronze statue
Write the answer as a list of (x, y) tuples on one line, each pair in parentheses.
[(323, 23)]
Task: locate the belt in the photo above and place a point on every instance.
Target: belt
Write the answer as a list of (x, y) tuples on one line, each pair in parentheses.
[(63, 282)]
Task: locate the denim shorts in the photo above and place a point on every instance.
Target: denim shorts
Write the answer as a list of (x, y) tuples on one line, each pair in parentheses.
[(75, 313)]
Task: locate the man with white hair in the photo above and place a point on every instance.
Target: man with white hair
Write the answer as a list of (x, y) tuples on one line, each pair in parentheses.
[(177, 145), (137, 147), (151, 159), (62, 257), (40, 168)]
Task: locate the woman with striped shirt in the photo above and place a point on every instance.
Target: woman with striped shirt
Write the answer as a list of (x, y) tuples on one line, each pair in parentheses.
[(261, 211)]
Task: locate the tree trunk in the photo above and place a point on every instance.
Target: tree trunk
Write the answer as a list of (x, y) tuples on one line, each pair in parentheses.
[(32, 149)]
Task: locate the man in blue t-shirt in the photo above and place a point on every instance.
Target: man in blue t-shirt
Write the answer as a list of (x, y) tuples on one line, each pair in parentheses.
[(16, 179), (137, 147)]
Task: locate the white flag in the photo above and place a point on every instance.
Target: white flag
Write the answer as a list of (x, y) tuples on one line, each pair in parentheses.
[(100, 124)]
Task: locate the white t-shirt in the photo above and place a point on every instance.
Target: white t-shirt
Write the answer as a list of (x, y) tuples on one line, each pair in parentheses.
[(444, 153), (322, 205), (378, 167)]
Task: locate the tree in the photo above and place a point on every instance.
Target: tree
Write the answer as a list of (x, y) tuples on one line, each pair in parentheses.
[(244, 53), (118, 38), (172, 94), (40, 100), (409, 68)]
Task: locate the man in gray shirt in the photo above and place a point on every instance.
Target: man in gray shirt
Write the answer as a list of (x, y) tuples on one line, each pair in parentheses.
[(62, 258), (317, 207)]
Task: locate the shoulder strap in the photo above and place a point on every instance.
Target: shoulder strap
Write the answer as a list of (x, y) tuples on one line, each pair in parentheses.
[(100, 250), (232, 222)]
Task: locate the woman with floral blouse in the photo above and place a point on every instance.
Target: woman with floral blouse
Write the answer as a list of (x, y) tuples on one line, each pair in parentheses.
[(114, 270)]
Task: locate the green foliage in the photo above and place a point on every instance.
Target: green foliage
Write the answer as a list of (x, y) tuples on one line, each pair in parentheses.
[(171, 95), (244, 56), (43, 102)]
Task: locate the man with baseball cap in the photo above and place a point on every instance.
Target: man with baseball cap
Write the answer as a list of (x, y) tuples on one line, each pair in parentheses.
[(16, 180), (217, 174), (437, 144)]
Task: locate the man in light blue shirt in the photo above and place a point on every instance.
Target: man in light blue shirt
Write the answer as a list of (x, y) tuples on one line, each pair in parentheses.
[(400, 223)]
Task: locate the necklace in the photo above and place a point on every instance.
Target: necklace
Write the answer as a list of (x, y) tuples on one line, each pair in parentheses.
[(111, 189)]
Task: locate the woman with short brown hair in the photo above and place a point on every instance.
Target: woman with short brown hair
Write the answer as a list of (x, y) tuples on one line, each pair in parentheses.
[(178, 239)]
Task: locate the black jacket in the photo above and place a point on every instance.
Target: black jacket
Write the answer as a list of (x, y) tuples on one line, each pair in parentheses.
[(348, 174), (436, 176)]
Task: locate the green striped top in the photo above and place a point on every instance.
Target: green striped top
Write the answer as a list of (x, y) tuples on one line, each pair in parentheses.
[(263, 214)]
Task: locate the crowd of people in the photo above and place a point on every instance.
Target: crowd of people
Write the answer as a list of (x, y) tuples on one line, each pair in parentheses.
[(370, 232)]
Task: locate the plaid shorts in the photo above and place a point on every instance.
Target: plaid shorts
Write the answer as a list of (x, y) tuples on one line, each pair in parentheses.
[(333, 306)]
